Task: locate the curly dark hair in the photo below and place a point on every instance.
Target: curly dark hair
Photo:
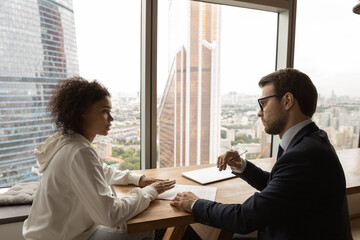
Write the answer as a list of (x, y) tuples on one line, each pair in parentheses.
[(70, 100)]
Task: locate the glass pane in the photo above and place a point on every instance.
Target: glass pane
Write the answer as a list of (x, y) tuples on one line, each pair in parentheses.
[(37, 49), (108, 37), (327, 49), (210, 59)]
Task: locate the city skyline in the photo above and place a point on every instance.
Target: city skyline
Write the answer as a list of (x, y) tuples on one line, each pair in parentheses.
[(311, 55), (239, 112), (40, 48)]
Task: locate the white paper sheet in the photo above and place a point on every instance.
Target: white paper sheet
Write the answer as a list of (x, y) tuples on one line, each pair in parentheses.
[(200, 191)]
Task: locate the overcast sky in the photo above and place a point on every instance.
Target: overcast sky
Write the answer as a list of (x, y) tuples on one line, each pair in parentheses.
[(327, 45)]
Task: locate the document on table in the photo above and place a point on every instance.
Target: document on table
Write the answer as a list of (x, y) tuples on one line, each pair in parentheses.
[(208, 193)]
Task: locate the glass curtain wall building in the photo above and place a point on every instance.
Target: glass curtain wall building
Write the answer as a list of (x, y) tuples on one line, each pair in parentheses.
[(37, 50), (189, 120)]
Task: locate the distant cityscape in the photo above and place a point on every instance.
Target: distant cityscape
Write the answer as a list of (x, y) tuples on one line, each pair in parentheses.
[(196, 123), (241, 128)]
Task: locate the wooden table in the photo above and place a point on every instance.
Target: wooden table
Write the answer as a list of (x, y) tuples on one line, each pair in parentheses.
[(161, 215), (350, 161)]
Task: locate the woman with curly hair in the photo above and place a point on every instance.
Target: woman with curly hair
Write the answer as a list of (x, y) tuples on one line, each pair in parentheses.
[(74, 200)]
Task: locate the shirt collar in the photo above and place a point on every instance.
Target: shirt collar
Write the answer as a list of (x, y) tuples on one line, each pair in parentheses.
[(291, 132)]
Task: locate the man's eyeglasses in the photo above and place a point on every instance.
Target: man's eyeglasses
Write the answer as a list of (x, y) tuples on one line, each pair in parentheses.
[(261, 99)]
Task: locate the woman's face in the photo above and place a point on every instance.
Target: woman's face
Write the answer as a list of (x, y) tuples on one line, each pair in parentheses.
[(97, 119)]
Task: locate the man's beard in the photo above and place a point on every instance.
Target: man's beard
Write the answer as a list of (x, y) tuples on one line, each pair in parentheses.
[(276, 127)]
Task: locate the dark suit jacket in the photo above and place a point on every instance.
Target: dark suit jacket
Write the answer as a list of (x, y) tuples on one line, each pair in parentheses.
[(303, 197)]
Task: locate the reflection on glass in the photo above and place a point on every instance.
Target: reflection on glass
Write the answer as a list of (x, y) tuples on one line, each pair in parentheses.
[(208, 71)]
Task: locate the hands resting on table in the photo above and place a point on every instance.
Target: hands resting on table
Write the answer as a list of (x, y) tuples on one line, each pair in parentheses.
[(184, 200), (161, 185)]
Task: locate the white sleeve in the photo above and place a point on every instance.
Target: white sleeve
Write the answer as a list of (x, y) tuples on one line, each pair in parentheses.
[(88, 183), (117, 177)]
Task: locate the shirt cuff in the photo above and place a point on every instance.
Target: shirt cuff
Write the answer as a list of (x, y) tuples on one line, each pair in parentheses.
[(192, 205), (151, 192), (243, 166), (134, 178)]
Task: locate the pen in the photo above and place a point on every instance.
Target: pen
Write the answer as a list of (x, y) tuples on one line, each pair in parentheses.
[(233, 158)]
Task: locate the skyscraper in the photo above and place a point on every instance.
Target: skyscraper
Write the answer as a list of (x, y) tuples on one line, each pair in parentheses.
[(189, 112), (37, 49)]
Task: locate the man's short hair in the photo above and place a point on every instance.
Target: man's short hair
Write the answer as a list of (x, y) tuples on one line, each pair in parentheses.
[(296, 82)]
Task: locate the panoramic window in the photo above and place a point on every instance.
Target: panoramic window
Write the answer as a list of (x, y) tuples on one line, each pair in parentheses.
[(44, 42), (210, 59), (108, 40), (331, 59)]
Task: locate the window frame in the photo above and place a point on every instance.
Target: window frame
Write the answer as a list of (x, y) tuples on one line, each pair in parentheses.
[(286, 10)]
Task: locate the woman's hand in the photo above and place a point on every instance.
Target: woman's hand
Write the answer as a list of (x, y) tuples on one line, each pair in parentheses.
[(164, 185), (145, 181)]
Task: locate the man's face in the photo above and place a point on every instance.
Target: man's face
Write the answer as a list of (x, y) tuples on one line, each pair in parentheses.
[(272, 115)]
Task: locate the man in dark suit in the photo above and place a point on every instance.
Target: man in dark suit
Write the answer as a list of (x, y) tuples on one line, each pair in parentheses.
[(304, 195)]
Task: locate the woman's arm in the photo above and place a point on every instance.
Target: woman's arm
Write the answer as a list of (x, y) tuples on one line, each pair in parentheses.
[(90, 186), (114, 176)]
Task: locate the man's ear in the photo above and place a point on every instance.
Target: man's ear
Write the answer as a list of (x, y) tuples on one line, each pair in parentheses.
[(288, 100)]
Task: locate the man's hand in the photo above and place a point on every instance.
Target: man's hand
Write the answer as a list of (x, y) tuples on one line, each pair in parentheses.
[(230, 158), (184, 200)]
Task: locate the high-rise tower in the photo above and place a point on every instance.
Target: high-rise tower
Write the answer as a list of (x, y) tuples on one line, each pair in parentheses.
[(37, 49), (189, 112)]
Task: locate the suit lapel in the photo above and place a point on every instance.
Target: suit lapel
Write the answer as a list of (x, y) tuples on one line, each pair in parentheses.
[(310, 128)]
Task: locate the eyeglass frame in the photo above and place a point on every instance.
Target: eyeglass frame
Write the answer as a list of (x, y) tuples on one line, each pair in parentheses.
[(275, 95)]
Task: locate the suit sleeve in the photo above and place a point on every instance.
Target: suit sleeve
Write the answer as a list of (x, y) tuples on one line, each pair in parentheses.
[(275, 203), (254, 176), (89, 184)]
